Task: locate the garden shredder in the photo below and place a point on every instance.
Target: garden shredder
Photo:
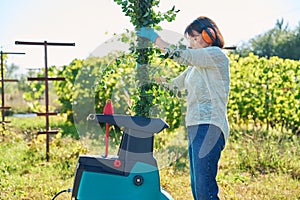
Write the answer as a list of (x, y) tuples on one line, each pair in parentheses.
[(132, 174)]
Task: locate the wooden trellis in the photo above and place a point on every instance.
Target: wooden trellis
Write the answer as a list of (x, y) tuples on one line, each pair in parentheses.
[(3, 80), (46, 79)]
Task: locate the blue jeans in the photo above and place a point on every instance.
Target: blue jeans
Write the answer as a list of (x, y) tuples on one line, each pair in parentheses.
[(206, 142)]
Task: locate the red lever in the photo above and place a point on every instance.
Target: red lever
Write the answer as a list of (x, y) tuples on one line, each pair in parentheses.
[(108, 110)]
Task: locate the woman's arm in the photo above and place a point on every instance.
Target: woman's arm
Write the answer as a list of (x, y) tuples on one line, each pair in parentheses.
[(160, 43), (202, 57)]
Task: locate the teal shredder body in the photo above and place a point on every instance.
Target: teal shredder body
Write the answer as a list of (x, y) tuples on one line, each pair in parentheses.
[(132, 174)]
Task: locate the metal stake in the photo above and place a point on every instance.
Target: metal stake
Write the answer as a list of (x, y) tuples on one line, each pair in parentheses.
[(46, 79), (3, 107)]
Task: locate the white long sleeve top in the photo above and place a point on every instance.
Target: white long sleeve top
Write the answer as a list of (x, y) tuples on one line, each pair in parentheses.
[(207, 81)]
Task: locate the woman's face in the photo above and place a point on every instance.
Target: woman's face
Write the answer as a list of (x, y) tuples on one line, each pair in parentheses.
[(196, 41)]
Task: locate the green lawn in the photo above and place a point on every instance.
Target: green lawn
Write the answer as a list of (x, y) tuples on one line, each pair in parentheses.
[(254, 165)]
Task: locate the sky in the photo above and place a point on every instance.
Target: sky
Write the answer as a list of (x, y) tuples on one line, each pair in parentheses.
[(89, 23)]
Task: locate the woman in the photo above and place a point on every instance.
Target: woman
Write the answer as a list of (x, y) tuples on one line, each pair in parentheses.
[(206, 80)]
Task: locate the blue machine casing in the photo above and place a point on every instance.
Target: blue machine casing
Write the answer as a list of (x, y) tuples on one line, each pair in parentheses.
[(132, 174)]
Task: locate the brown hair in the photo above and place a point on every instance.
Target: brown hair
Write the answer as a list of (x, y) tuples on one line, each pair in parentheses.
[(219, 41)]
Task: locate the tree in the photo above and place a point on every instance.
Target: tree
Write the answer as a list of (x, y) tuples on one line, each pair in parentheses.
[(279, 41), (142, 14)]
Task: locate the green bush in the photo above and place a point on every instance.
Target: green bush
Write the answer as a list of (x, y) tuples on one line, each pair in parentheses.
[(265, 91)]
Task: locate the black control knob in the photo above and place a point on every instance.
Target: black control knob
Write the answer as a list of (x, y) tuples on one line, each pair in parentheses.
[(138, 180)]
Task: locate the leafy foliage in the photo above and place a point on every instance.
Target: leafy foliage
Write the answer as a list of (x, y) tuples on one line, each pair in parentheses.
[(65, 89), (141, 13), (265, 91), (34, 94)]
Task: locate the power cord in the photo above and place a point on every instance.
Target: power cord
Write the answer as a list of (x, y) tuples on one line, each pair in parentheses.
[(67, 190)]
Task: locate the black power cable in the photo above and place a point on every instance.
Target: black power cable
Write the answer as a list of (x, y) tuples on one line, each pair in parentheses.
[(67, 190)]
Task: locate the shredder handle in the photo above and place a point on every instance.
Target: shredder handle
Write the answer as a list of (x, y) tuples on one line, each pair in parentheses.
[(150, 125)]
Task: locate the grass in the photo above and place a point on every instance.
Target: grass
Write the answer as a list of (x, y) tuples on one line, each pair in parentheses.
[(254, 165)]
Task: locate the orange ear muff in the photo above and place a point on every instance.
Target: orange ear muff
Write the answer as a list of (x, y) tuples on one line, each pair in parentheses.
[(208, 37), (208, 34)]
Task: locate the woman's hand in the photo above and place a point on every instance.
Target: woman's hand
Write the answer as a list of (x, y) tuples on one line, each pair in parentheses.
[(147, 33), (151, 35), (160, 80)]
